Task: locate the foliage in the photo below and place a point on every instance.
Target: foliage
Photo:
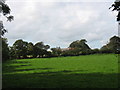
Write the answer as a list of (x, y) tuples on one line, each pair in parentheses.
[(12, 53), (105, 49), (5, 10), (113, 46), (30, 48), (79, 44), (95, 51), (80, 47), (40, 49), (56, 51), (5, 50), (23, 49), (2, 29), (116, 6), (20, 48)]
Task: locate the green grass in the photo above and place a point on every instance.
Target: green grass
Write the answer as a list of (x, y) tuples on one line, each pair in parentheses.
[(93, 71)]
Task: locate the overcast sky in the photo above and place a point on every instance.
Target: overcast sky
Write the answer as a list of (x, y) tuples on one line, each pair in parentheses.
[(60, 22)]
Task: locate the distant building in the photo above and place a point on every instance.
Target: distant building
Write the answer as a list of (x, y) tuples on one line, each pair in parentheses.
[(66, 49)]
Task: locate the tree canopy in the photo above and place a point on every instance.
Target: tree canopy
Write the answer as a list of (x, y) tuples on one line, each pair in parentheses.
[(81, 44), (20, 48), (113, 45)]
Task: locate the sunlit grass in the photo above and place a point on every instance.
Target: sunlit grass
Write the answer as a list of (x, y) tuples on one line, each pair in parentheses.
[(81, 64), (105, 64)]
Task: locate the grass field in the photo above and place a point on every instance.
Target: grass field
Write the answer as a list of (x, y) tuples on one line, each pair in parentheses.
[(90, 71)]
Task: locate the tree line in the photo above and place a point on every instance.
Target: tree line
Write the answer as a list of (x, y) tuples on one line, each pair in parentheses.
[(22, 49)]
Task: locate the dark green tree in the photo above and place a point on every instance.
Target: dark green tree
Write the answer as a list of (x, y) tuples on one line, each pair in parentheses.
[(40, 50), (12, 53), (56, 51), (80, 47), (30, 49), (79, 44), (113, 46), (95, 51), (20, 48), (105, 49), (5, 50)]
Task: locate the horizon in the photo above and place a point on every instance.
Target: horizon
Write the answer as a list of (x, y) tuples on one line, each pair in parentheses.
[(64, 47)]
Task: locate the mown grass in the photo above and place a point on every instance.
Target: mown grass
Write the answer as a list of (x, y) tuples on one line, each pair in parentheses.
[(90, 71)]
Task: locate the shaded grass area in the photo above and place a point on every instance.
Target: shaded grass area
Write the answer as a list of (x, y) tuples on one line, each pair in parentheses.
[(60, 80), (92, 71)]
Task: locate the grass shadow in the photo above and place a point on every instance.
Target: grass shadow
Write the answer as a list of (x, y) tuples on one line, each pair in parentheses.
[(12, 68), (61, 79), (33, 69)]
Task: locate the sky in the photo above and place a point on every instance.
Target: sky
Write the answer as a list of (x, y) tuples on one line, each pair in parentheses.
[(60, 22)]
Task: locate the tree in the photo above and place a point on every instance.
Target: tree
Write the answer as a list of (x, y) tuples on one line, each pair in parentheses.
[(79, 44), (12, 53), (40, 50), (5, 50), (56, 51), (80, 47), (20, 48), (30, 49), (116, 6), (46, 47), (5, 11), (94, 51), (113, 46), (105, 49)]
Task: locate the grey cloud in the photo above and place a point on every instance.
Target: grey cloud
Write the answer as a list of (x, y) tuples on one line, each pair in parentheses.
[(58, 24)]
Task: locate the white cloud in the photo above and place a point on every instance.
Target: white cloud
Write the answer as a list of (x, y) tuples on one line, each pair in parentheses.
[(60, 23)]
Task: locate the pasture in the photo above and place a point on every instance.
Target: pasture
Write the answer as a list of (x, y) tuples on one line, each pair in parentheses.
[(89, 71)]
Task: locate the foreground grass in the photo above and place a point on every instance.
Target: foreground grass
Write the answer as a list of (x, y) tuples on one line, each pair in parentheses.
[(91, 71)]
